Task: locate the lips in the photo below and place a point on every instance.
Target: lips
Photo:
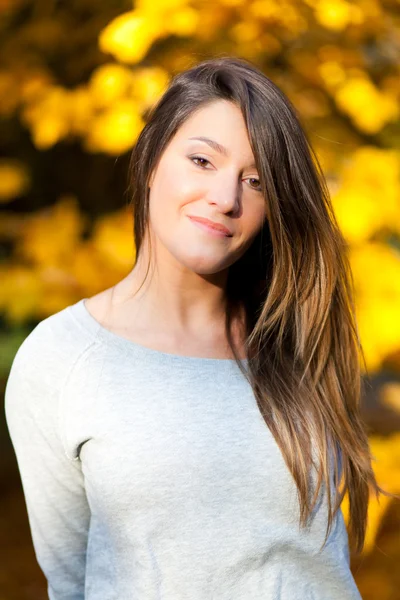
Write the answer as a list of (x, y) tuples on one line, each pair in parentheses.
[(212, 224)]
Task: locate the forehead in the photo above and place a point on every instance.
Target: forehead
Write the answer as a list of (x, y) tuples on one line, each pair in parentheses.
[(220, 120)]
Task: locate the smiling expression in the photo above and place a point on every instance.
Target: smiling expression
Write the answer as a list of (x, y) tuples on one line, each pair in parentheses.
[(207, 172)]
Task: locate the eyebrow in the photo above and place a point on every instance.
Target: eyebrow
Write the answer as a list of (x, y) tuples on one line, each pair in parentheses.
[(216, 146)]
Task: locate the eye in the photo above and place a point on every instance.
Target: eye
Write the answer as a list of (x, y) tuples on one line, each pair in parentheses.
[(202, 166), (258, 188), (193, 158)]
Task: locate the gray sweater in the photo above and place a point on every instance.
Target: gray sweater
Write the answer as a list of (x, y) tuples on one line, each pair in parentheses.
[(152, 476)]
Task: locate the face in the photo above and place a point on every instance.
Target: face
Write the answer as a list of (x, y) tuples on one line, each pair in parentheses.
[(197, 180)]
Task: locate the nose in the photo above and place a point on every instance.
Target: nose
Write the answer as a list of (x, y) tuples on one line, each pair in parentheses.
[(225, 191)]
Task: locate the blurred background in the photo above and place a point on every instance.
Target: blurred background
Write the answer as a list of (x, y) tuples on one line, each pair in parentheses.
[(76, 80)]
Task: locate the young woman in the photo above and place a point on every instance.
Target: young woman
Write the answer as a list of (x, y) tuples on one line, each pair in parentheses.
[(189, 433)]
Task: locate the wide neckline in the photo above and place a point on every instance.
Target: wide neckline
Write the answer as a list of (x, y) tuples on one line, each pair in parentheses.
[(87, 320)]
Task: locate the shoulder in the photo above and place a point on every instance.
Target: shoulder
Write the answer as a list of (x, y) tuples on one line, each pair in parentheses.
[(56, 354), (51, 349)]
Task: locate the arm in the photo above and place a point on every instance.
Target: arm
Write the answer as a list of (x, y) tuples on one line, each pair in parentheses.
[(53, 484)]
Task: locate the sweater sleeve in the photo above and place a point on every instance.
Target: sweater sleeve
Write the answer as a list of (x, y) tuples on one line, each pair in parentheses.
[(53, 484)]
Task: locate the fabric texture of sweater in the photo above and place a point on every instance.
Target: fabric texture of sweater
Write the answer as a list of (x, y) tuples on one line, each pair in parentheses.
[(153, 476)]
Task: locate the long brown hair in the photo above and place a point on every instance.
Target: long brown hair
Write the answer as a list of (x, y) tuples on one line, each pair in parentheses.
[(294, 283)]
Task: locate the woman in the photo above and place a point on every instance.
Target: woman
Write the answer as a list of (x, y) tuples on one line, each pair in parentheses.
[(183, 434)]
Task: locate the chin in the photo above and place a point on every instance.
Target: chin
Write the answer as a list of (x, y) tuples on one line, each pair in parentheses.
[(204, 265), (199, 258)]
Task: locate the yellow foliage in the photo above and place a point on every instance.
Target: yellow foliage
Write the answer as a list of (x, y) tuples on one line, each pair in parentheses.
[(50, 236), (91, 273), (359, 212), (232, 3), (81, 110), (368, 198), (385, 452), (333, 14), (47, 117), (106, 112), (376, 273), (332, 73), (160, 6), (183, 22), (285, 13), (20, 293), (34, 83), (382, 264), (56, 265), (115, 130), (14, 180), (379, 326), (129, 36), (246, 31), (266, 10), (148, 85), (108, 83), (369, 108), (113, 239), (376, 167), (214, 18)]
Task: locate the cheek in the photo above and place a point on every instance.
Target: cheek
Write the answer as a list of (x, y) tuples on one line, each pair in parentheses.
[(168, 217), (254, 216), (170, 193)]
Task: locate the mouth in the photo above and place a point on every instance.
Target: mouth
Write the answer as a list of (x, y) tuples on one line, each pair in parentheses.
[(211, 226)]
